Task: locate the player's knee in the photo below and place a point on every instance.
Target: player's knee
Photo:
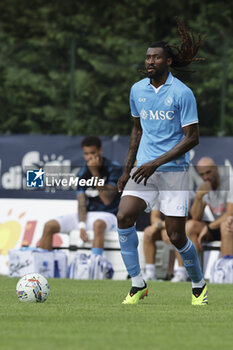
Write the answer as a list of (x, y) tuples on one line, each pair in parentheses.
[(148, 235), (99, 226), (177, 240), (125, 219), (174, 237), (51, 227), (167, 240), (190, 227)]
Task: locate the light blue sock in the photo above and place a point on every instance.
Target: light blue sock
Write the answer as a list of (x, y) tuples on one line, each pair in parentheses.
[(129, 243), (191, 262), (97, 251)]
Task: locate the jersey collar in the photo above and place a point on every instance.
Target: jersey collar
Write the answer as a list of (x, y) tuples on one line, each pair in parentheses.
[(170, 79)]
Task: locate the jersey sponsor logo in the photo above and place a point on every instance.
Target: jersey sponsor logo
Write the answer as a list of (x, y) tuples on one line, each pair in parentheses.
[(162, 115), (168, 101), (157, 115)]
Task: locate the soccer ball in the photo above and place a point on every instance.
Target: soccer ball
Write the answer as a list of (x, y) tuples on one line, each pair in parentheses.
[(32, 288)]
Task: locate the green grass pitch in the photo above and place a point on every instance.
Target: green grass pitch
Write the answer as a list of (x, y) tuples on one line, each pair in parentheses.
[(86, 315)]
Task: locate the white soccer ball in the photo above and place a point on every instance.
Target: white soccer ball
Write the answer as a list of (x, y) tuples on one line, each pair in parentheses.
[(33, 288)]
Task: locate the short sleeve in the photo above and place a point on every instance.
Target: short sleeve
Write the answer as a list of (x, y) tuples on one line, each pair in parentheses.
[(188, 109), (230, 193), (156, 206), (80, 174), (115, 173), (134, 111), (206, 198)]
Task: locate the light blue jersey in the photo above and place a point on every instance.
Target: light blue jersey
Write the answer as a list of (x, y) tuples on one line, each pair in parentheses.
[(163, 115)]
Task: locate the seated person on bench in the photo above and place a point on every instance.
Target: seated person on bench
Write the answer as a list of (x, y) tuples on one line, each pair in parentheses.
[(216, 192), (97, 205)]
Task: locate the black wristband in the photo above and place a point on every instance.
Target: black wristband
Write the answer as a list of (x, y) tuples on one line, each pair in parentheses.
[(160, 225)]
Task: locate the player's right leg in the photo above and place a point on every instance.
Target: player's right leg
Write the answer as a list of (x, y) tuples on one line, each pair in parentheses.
[(129, 209), (50, 227), (193, 229), (174, 205)]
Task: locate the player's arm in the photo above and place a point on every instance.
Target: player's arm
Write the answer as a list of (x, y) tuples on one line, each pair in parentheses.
[(229, 224), (107, 193), (82, 214), (198, 207), (155, 215), (135, 138), (190, 139), (82, 209), (216, 224)]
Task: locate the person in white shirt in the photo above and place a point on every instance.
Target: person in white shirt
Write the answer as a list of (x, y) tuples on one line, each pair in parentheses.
[(216, 194)]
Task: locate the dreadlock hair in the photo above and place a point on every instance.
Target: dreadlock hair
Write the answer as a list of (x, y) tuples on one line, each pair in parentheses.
[(186, 52)]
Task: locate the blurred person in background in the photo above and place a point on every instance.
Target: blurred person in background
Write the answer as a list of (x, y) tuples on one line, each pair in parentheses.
[(211, 212), (97, 205)]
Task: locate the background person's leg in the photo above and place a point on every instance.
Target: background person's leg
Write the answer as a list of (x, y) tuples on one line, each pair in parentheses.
[(99, 228), (151, 234), (226, 240), (50, 227)]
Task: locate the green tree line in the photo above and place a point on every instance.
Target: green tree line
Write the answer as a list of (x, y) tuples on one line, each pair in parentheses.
[(66, 67)]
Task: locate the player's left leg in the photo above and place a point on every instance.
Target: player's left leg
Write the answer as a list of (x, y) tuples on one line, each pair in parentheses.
[(176, 231)]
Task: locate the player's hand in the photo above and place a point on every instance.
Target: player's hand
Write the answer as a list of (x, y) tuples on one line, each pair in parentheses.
[(205, 188), (83, 235), (202, 236), (144, 172), (229, 223), (94, 163), (122, 181)]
